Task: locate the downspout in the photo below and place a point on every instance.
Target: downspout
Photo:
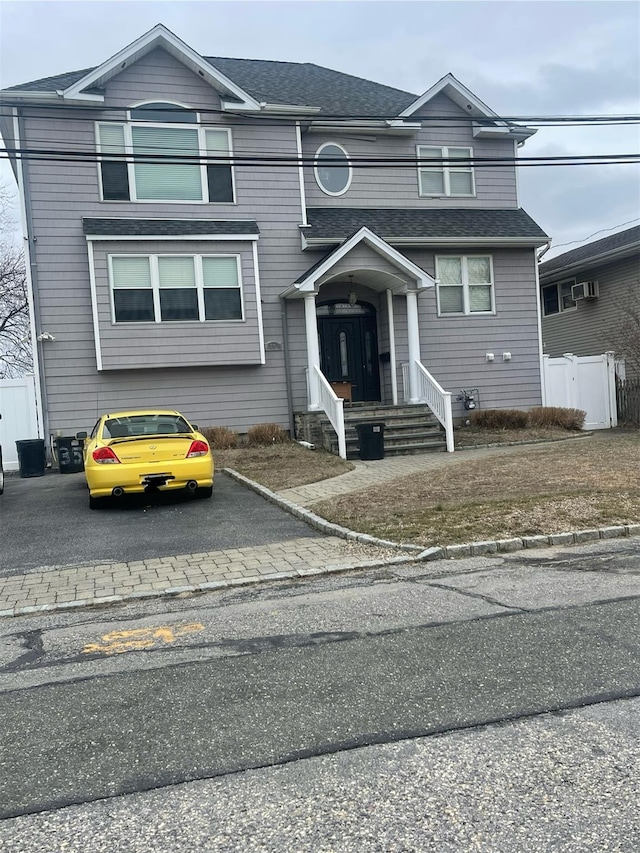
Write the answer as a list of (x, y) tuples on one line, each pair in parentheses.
[(287, 365), (32, 274)]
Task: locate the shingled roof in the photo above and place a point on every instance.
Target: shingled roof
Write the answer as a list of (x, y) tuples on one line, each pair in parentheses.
[(466, 223), (168, 227), (296, 83), (584, 255)]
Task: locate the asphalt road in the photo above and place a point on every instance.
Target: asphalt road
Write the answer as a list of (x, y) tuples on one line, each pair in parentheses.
[(46, 521), (339, 714)]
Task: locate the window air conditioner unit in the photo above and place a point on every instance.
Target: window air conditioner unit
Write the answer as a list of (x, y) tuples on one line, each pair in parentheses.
[(585, 290)]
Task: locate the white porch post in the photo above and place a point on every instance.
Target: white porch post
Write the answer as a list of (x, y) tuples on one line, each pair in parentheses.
[(392, 349), (413, 333), (313, 351)]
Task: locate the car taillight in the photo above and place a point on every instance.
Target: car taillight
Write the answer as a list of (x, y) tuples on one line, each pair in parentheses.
[(104, 455), (198, 448)]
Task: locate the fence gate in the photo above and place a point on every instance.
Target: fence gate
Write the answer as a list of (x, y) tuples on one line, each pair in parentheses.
[(583, 382), (19, 417)]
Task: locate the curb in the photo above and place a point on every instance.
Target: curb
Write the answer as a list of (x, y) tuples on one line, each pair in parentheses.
[(446, 552)]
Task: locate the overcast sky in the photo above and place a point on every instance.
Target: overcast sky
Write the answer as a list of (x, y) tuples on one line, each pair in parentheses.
[(521, 58)]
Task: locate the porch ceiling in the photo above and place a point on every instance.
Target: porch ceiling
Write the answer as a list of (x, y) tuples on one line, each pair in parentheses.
[(377, 280)]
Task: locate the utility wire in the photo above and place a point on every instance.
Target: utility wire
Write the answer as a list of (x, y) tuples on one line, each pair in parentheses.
[(293, 162), (184, 158), (29, 110), (595, 233)]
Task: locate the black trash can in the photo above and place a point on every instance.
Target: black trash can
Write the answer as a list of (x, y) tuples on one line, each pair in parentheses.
[(371, 440), (69, 453), (31, 457)]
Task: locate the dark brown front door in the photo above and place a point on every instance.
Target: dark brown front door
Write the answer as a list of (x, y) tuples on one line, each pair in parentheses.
[(349, 350)]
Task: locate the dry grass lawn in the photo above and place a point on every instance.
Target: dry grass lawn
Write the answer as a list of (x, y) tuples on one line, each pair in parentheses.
[(540, 489), (474, 436), (282, 466)]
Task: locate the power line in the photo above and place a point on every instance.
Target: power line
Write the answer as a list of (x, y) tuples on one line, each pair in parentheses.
[(180, 158), (595, 233), (30, 111)]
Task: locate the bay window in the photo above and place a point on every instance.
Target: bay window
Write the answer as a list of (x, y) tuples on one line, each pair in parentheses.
[(167, 288)]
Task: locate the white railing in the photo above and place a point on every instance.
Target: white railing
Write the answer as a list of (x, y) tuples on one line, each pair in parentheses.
[(332, 406), (430, 391)]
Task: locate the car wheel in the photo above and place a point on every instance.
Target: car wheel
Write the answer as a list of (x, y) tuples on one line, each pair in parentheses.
[(204, 492)]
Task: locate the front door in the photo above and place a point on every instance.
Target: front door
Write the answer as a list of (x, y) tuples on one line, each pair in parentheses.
[(349, 348)]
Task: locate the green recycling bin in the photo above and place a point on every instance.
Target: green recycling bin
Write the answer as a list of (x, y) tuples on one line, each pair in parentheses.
[(371, 440)]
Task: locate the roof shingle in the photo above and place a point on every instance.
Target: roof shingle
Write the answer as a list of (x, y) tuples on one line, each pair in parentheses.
[(583, 254), (168, 227), (337, 223)]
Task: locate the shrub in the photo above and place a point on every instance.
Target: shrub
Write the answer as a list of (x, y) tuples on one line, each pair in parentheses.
[(546, 416), (499, 419), (263, 434), (220, 437)]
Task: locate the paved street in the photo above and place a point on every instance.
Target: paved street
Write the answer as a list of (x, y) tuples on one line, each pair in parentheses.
[(333, 694)]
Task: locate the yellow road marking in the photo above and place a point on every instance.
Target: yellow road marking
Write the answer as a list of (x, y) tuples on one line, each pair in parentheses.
[(141, 638)]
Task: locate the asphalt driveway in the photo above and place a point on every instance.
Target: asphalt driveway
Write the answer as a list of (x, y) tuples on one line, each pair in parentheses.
[(46, 521)]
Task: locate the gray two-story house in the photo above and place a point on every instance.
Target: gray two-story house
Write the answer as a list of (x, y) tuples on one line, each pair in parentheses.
[(252, 241)]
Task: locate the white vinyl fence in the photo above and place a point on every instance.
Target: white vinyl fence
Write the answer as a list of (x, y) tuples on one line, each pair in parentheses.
[(19, 417), (585, 382)]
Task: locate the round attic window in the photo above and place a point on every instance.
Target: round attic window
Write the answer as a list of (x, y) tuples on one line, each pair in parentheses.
[(332, 169)]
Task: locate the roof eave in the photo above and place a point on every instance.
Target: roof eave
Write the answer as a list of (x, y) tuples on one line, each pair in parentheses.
[(158, 36), (594, 260), (510, 242)]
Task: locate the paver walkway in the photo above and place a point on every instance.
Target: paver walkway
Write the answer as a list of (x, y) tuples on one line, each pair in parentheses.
[(366, 474), (107, 583)]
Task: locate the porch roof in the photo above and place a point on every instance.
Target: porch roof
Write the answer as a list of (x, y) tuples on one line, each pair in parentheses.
[(461, 226), (234, 228), (407, 275)]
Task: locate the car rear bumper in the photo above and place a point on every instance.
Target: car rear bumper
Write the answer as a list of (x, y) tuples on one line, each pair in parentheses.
[(134, 479)]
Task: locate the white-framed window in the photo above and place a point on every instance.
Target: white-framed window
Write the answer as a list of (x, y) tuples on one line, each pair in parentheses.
[(448, 178), (164, 129), (169, 288), (465, 284), (332, 169), (556, 298)]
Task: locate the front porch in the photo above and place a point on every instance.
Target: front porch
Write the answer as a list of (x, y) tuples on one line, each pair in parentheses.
[(363, 351)]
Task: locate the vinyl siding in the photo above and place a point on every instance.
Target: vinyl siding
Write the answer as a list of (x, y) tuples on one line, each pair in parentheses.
[(397, 186), (592, 328)]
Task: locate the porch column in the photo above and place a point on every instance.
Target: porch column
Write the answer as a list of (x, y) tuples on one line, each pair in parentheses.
[(413, 334), (313, 351), (392, 348)]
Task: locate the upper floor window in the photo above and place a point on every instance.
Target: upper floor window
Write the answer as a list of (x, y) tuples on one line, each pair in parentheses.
[(556, 298), (170, 132), (448, 178), (332, 169), (465, 284), (165, 288)]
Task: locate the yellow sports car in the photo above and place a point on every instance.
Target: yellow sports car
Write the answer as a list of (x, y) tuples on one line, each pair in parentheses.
[(146, 451)]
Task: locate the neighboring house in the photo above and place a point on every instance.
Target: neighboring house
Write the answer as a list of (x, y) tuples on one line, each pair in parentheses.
[(265, 274), (589, 294)]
